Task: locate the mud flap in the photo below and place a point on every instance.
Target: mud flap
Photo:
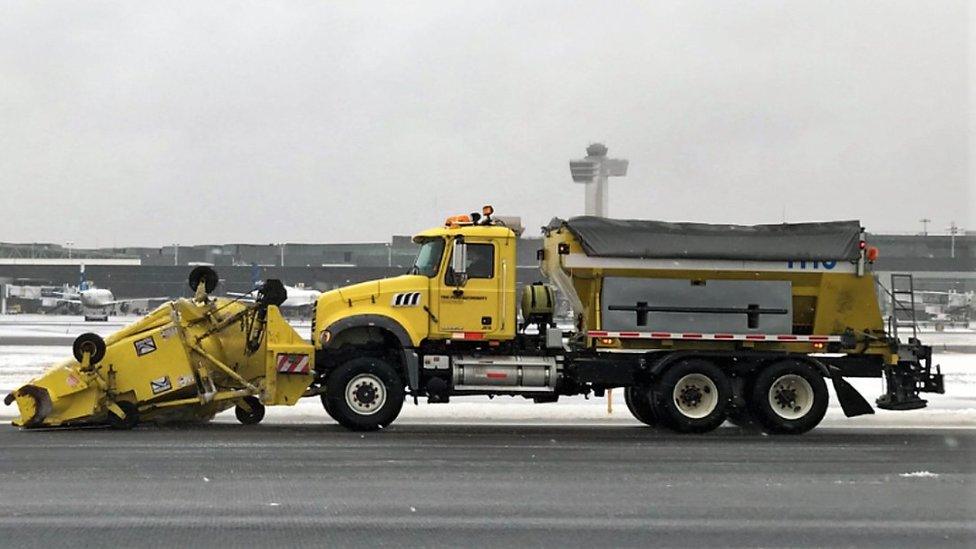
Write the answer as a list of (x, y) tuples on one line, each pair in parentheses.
[(851, 401), (413, 369)]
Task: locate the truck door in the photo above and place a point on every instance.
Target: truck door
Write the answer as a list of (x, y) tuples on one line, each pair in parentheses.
[(474, 307)]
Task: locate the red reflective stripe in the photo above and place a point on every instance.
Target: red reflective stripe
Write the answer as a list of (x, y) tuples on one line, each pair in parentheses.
[(722, 336), (496, 375), (474, 335), (293, 364)]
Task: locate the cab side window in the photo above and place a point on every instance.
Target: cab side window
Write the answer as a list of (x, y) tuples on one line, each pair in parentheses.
[(480, 263)]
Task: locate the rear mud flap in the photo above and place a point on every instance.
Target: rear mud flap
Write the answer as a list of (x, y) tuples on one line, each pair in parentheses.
[(851, 401)]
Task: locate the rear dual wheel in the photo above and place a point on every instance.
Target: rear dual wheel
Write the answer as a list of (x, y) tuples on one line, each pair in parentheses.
[(788, 397), (638, 400), (692, 396)]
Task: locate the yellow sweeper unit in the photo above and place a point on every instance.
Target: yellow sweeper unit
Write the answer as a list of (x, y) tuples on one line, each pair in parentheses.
[(186, 361)]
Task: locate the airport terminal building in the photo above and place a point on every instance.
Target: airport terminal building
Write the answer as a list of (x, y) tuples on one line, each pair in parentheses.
[(939, 263)]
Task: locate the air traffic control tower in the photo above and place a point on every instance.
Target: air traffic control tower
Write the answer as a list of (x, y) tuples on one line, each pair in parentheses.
[(594, 171)]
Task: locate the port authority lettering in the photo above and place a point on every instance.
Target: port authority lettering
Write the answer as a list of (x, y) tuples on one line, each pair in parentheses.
[(812, 265)]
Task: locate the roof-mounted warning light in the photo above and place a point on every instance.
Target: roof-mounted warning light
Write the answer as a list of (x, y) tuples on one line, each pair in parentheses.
[(456, 221)]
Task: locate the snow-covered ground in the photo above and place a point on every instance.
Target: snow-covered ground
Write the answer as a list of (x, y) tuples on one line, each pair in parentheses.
[(33, 328), (957, 408)]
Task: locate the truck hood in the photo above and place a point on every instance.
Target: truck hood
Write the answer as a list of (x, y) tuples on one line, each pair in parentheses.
[(359, 291), (374, 288)]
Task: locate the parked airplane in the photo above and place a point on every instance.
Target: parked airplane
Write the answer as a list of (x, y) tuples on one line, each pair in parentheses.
[(94, 301), (298, 296)]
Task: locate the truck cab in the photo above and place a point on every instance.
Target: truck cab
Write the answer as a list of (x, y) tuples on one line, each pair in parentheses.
[(472, 288), (458, 295), (461, 287)]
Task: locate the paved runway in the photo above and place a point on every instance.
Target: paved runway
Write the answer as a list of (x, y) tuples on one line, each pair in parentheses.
[(473, 484)]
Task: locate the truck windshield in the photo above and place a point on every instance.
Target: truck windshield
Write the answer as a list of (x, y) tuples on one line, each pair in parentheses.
[(429, 257)]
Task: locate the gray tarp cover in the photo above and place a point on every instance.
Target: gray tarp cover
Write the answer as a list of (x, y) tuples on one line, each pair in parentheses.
[(833, 240)]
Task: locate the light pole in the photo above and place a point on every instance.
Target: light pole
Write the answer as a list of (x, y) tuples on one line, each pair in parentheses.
[(953, 231), (925, 225), (70, 244), (594, 171), (282, 248), (176, 254)]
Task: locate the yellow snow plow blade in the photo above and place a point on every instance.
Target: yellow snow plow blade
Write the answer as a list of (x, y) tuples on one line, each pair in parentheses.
[(186, 361)]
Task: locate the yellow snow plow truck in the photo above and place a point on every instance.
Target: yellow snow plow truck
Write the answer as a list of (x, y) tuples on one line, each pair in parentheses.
[(186, 361), (696, 323)]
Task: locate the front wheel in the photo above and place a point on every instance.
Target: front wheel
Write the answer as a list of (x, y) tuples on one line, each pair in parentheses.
[(789, 397), (692, 396), (364, 394), (327, 406)]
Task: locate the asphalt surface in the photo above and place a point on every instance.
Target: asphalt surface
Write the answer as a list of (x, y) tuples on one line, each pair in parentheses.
[(478, 485)]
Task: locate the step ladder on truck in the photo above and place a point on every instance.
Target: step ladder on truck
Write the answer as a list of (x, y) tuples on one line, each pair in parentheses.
[(913, 371)]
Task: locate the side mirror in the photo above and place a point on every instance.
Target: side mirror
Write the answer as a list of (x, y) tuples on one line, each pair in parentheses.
[(459, 262)]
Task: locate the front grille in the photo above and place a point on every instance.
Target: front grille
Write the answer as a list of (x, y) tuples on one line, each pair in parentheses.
[(314, 305)]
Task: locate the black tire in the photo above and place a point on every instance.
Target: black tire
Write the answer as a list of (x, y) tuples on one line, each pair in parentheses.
[(252, 416), (638, 400), (92, 343), (376, 390), (130, 420), (328, 409), (272, 292), (207, 275), (789, 396), (739, 413), (709, 388), (743, 419)]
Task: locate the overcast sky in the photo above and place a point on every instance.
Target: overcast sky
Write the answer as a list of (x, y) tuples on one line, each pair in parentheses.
[(134, 124)]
